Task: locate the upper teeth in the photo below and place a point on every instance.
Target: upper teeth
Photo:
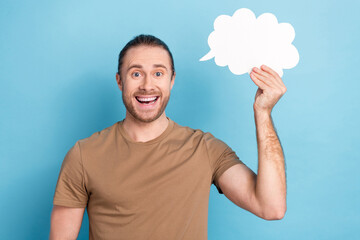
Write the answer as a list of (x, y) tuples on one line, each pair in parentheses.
[(146, 99)]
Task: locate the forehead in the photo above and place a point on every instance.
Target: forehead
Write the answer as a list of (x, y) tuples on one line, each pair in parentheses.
[(147, 55)]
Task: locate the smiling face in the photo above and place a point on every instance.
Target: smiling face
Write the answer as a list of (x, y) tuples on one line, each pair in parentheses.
[(146, 81)]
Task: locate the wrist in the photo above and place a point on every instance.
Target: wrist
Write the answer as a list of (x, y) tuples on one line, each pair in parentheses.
[(262, 113), (262, 118)]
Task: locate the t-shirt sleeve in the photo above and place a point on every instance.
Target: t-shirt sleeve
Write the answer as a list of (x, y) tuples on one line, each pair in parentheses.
[(70, 188), (221, 158)]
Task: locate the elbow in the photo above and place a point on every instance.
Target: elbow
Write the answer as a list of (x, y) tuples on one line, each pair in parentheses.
[(274, 214)]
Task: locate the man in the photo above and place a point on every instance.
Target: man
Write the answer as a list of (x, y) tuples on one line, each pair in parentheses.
[(146, 177)]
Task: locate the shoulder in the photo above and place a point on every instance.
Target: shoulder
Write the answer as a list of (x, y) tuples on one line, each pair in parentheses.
[(186, 132), (99, 138), (214, 146), (204, 141), (198, 134)]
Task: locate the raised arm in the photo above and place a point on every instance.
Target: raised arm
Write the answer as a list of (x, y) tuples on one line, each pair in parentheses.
[(65, 222), (263, 194)]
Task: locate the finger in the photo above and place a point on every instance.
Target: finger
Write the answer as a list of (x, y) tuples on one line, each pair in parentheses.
[(258, 82), (267, 81), (268, 77), (273, 73), (277, 77)]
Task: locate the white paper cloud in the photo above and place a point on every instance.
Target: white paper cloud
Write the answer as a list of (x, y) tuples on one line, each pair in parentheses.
[(244, 41)]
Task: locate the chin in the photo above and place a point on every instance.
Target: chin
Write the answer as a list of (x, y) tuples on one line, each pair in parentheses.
[(142, 114), (146, 119)]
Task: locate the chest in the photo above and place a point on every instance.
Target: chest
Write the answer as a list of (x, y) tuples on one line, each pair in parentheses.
[(128, 179)]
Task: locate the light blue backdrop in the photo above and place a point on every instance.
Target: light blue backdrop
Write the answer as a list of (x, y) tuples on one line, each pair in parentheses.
[(57, 84)]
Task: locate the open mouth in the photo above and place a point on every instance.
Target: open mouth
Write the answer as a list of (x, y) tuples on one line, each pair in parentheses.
[(147, 100)]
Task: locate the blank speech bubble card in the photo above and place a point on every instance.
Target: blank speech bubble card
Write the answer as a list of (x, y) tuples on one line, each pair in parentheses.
[(243, 41)]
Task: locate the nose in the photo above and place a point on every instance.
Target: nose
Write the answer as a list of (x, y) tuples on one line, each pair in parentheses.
[(147, 83)]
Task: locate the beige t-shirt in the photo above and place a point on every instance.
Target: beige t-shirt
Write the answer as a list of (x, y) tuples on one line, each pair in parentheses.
[(144, 190)]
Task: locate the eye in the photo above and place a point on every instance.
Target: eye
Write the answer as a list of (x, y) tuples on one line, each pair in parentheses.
[(158, 74), (136, 74)]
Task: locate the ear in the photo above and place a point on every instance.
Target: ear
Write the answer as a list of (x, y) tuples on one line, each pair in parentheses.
[(172, 81), (119, 82)]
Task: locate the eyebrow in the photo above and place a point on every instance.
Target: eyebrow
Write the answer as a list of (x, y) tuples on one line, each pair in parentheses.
[(160, 65), (140, 66), (134, 66)]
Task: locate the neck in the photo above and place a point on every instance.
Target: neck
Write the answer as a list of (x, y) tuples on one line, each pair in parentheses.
[(142, 131)]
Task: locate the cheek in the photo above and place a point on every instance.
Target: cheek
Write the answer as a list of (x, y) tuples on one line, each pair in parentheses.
[(165, 90), (166, 86), (128, 88)]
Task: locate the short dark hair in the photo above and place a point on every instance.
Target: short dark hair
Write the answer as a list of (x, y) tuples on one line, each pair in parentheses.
[(147, 40)]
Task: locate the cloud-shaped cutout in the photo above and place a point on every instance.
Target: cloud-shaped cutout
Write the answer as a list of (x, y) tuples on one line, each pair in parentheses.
[(243, 41)]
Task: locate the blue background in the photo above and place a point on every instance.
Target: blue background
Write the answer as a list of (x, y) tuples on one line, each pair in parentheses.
[(58, 61)]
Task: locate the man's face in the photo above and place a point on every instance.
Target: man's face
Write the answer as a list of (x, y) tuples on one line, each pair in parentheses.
[(146, 81)]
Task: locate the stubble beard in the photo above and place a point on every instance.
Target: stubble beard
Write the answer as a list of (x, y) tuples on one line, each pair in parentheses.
[(127, 100)]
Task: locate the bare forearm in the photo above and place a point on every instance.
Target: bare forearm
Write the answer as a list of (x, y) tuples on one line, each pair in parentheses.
[(271, 181)]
